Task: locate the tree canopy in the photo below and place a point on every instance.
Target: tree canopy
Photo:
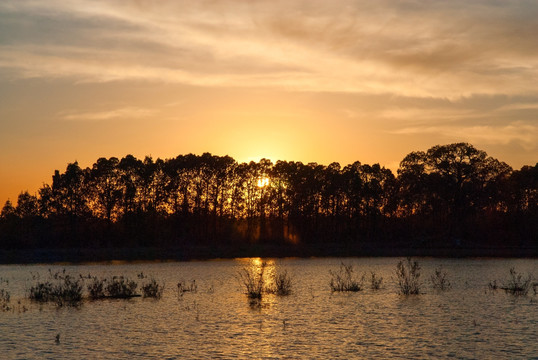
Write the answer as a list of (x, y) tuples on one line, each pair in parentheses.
[(446, 196)]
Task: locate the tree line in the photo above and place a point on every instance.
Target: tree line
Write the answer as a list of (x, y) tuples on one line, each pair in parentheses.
[(448, 196)]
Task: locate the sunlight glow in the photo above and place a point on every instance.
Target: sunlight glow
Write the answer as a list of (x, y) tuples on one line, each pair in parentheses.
[(263, 182)]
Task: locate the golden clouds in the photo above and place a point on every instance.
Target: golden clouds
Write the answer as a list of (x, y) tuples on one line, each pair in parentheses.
[(433, 49)]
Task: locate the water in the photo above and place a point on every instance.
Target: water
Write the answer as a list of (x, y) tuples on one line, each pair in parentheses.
[(468, 321)]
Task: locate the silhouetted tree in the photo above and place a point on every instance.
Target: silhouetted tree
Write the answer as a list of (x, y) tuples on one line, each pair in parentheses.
[(447, 195), (106, 188), (27, 205)]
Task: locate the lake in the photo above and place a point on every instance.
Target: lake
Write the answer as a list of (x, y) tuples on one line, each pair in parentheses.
[(218, 321)]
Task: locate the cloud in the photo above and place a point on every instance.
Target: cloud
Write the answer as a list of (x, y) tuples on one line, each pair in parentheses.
[(423, 49), (524, 134), (121, 113)]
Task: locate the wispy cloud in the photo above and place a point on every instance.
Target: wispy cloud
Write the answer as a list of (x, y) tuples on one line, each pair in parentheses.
[(121, 113), (524, 134), (432, 49)]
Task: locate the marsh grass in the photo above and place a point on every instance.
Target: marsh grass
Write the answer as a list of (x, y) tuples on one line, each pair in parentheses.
[(440, 280), (41, 292), (96, 288), (116, 287), (5, 296), (375, 282), (252, 279), (120, 287), (183, 287), (152, 289), (282, 283), (408, 277), (69, 291), (517, 284), (344, 279), (493, 285), (5, 299), (61, 288)]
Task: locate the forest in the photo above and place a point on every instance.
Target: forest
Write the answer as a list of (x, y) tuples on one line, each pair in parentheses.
[(449, 197)]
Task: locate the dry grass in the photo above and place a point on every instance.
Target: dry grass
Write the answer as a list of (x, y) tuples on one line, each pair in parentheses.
[(375, 282), (253, 280), (344, 279), (440, 280), (61, 288), (408, 277), (517, 284)]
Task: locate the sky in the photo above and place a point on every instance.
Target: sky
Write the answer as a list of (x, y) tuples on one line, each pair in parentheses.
[(311, 81)]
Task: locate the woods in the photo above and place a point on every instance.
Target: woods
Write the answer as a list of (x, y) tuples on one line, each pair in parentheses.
[(448, 196)]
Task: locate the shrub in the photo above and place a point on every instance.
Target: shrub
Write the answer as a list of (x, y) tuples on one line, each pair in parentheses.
[(440, 280), (375, 282), (517, 285), (152, 289), (408, 275), (344, 279)]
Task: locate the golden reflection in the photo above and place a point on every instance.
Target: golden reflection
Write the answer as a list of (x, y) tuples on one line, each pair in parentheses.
[(256, 262)]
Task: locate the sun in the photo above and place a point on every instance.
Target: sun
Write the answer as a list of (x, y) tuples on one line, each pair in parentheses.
[(263, 182)]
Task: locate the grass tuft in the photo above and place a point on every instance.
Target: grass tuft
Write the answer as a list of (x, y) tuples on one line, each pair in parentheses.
[(344, 279), (5, 298), (282, 283), (152, 289), (375, 282), (253, 280), (517, 284), (119, 287), (408, 277), (440, 280), (96, 288), (61, 288)]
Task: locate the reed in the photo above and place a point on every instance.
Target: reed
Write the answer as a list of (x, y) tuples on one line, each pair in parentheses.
[(152, 289), (282, 283), (344, 279), (408, 277), (440, 280), (61, 288), (375, 282), (120, 287), (5, 298), (96, 288), (253, 280), (517, 284)]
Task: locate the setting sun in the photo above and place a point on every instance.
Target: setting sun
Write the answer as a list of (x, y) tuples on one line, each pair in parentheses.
[(263, 182)]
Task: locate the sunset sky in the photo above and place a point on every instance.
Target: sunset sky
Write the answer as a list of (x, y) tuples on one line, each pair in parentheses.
[(311, 81)]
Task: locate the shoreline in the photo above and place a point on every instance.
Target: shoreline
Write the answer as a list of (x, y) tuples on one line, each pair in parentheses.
[(152, 254)]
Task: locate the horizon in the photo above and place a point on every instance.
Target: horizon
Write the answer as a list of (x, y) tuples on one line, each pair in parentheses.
[(301, 81)]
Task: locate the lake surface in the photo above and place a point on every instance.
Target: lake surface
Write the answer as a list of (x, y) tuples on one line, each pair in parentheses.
[(217, 321)]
